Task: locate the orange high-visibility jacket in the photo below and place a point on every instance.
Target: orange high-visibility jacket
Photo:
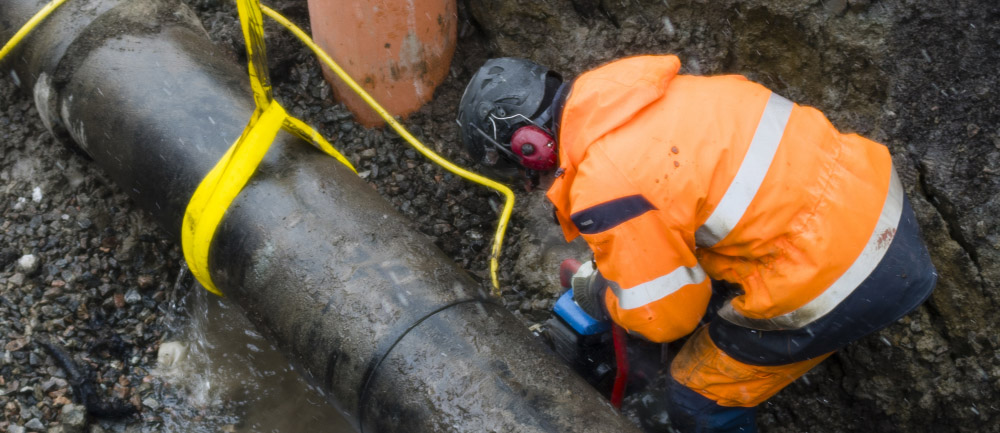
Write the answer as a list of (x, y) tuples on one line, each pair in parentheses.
[(673, 179)]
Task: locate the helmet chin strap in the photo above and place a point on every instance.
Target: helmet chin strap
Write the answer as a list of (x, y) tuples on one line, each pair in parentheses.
[(494, 150)]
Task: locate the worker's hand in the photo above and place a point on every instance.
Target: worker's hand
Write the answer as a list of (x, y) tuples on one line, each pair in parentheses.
[(588, 290)]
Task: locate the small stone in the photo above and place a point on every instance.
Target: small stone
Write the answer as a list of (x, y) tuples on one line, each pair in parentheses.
[(36, 195), (145, 281), (109, 243), (136, 400), (82, 313), (16, 279), (119, 300), (94, 428), (28, 264), (56, 429), (34, 424), (74, 417), (151, 403), (836, 7), (121, 392), (52, 292), (16, 344), (524, 306), (84, 223), (53, 383), (57, 393), (16, 429), (10, 409), (133, 297), (540, 304)]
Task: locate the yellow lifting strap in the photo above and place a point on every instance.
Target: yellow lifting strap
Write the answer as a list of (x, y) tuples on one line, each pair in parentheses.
[(225, 181), (29, 26)]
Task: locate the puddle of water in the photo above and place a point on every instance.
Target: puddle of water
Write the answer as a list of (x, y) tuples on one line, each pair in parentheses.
[(221, 375)]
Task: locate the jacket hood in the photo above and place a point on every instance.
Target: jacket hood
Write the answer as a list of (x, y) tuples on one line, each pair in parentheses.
[(600, 101)]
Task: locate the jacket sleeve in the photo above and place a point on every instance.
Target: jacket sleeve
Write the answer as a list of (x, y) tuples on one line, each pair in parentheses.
[(657, 288)]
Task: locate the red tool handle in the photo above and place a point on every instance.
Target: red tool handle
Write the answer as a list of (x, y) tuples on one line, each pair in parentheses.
[(621, 359), (566, 270)]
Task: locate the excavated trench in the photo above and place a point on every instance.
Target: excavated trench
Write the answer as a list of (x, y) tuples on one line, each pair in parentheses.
[(918, 77)]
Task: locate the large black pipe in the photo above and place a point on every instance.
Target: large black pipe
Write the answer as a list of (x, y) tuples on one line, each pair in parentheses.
[(396, 334)]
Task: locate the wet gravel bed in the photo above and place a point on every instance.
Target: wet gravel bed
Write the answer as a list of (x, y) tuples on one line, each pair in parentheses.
[(87, 273), (82, 270)]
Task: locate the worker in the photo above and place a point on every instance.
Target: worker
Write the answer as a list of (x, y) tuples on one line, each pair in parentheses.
[(677, 180)]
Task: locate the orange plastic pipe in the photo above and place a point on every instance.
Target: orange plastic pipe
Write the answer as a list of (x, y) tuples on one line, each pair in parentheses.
[(399, 51)]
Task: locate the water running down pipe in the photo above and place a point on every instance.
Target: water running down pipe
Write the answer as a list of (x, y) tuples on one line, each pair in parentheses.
[(395, 334)]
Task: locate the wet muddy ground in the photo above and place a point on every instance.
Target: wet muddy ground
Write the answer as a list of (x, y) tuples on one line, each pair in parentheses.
[(81, 266)]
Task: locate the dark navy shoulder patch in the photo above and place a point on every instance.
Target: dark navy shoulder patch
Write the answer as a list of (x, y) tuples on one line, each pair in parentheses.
[(610, 214)]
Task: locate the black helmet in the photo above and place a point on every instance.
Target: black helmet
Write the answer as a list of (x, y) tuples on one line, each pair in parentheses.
[(505, 94)]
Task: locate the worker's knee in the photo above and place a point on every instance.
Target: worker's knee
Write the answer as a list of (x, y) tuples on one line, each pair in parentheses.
[(692, 412), (716, 375)]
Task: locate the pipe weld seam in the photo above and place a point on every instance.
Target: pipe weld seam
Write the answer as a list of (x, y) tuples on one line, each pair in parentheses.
[(383, 352)]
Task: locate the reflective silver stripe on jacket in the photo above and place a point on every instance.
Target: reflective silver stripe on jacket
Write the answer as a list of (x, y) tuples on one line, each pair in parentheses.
[(751, 173), (658, 288), (867, 261), (734, 203)]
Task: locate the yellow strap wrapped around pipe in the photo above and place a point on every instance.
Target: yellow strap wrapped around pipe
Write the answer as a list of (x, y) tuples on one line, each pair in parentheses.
[(29, 26), (305, 132), (224, 182), (221, 186)]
